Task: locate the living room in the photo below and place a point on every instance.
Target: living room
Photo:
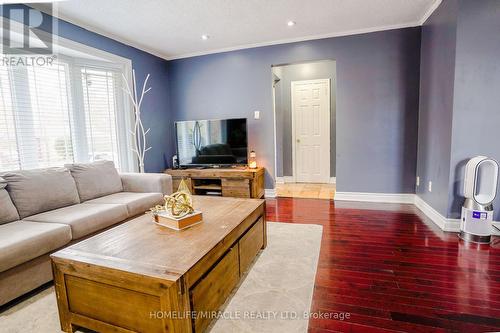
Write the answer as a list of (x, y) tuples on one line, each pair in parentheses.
[(249, 166)]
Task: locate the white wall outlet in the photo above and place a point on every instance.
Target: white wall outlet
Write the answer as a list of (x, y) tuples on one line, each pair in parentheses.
[(430, 186), (418, 181), (256, 115)]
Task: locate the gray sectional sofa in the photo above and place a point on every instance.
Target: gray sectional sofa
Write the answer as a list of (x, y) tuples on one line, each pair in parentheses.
[(44, 210)]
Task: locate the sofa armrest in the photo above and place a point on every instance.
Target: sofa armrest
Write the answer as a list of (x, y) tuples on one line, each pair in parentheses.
[(147, 182)]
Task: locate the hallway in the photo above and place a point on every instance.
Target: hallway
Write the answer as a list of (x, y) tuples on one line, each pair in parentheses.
[(306, 190)]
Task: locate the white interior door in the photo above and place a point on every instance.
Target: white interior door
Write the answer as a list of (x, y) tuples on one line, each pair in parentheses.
[(311, 130)]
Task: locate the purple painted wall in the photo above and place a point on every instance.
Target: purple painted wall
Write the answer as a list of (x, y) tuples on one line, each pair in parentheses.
[(437, 76), (476, 115), (379, 75), (459, 98), (377, 101)]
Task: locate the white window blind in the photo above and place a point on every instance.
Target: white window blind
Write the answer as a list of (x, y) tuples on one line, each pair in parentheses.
[(99, 101), (9, 157), (42, 111), (64, 113)]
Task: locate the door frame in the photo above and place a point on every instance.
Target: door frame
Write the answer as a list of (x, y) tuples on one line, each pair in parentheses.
[(329, 106)]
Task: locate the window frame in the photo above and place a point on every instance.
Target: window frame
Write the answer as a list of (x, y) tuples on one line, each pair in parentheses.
[(104, 60)]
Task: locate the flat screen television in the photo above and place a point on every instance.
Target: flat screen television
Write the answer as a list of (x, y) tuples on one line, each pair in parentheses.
[(220, 142)]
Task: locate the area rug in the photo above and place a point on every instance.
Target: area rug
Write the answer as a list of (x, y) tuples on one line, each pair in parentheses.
[(275, 295)]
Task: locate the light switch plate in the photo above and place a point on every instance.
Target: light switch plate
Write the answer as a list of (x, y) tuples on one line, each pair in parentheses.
[(418, 181), (430, 186), (256, 115)]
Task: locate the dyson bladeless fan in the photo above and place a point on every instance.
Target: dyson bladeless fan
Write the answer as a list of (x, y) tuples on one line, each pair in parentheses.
[(480, 189)]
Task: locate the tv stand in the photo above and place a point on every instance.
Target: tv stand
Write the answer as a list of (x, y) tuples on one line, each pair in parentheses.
[(226, 182)]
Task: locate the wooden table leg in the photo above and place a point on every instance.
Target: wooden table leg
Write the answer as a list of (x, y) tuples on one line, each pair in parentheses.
[(62, 299)]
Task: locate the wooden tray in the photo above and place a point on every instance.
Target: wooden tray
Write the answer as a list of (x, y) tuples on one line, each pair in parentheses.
[(166, 220)]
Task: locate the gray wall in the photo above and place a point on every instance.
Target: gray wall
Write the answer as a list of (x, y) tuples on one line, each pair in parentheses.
[(297, 72), (476, 116), (459, 98), (437, 76), (377, 101)]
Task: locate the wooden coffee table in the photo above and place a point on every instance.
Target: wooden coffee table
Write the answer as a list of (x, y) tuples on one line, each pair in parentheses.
[(141, 277)]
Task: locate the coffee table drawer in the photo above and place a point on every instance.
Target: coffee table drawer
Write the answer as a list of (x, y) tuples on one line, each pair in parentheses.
[(250, 244), (99, 301), (211, 292)]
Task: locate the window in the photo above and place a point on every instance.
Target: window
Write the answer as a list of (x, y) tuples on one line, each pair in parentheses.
[(71, 111), (99, 93), (9, 157)]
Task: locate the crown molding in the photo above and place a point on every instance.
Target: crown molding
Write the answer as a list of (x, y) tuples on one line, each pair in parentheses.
[(429, 11), (41, 7), (297, 39)]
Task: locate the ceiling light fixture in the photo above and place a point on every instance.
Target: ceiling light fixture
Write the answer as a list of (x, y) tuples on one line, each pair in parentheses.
[(291, 23), (205, 37)]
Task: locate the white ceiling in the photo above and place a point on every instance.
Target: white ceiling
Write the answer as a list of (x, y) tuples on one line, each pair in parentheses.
[(172, 28)]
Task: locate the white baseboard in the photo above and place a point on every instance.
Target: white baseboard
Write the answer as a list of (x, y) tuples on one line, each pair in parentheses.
[(496, 232), (289, 179), (441, 221), (403, 198), (280, 180), (285, 180), (450, 224), (444, 223), (270, 193)]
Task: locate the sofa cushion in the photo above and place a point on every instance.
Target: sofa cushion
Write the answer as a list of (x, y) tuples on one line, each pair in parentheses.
[(84, 219), (95, 180), (21, 241), (137, 203), (8, 211), (147, 182), (41, 190)]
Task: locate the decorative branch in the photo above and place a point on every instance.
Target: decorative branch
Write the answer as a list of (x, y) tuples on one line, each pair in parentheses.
[(139, 133)]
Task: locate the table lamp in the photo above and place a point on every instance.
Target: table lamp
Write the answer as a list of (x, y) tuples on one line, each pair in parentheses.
[(252, 163)]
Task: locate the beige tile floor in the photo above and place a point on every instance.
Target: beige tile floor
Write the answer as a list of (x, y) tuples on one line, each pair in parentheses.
[(306, 190)]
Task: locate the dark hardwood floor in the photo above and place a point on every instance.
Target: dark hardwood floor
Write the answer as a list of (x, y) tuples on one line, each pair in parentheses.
[(393, 270)]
